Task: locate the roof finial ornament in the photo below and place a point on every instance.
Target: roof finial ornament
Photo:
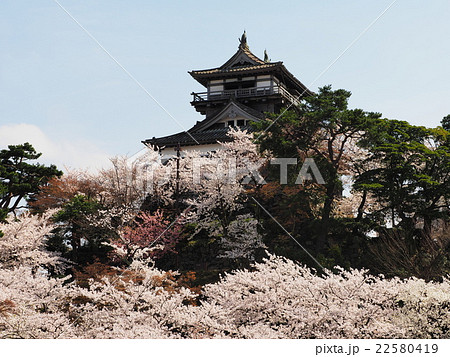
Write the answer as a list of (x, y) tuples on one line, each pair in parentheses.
[(266, 57), (243, 41)]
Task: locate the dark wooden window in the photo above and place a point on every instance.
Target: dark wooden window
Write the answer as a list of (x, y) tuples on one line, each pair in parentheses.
[(239, 85)]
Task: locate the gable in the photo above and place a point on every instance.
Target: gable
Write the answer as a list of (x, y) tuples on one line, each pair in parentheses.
[(242, 58), (232, 111)]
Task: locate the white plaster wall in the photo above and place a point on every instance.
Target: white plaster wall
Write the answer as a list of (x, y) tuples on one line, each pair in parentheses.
[(216, 88), (263, 84)]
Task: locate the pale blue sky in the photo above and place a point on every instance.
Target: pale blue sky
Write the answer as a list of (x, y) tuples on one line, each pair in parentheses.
[(61, 92)]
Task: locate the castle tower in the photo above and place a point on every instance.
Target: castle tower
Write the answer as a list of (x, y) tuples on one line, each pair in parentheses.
[(239, 91)]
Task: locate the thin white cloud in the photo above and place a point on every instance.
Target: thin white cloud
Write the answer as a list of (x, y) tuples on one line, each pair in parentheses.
[(63, 153)]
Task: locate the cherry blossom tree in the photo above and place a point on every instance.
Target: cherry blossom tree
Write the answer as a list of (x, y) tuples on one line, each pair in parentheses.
[(29, 297), (273, 298), (24, 243), (281, 299), (147, 231), (220, 196), (276, 298)]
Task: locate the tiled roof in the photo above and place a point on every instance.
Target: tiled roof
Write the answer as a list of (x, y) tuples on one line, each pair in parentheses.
[(252, 56), (202, 76), (184, 138), (242, 60), (205, 136), (236, 69)]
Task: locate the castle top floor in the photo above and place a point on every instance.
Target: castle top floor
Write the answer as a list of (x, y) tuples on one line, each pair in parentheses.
[(260, 84)]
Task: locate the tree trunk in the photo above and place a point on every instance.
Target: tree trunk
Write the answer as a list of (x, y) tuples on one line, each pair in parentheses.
[(361, 207), (325, 221)]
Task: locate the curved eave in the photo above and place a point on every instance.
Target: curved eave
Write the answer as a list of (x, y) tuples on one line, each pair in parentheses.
[(184, 143), (299, 86), (276, 68), (203, 76), (202, 138)]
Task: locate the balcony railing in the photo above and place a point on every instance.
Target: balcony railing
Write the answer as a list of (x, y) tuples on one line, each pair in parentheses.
[(244, 92)]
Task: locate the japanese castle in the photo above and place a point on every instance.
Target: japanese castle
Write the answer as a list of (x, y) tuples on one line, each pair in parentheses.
[(239, 91)]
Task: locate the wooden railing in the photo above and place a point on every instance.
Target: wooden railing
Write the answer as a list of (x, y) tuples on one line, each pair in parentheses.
[(244, 92)]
